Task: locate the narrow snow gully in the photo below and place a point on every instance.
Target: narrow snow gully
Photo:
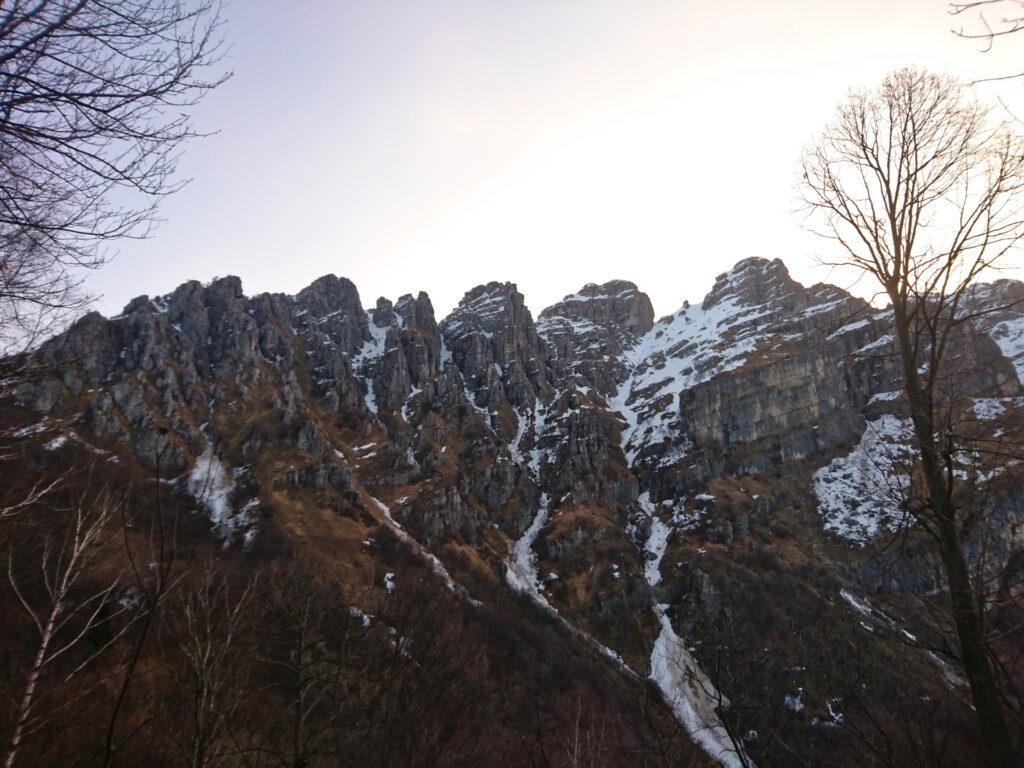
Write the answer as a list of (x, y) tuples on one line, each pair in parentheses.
[(685, 687), (521, 567), (435, 564), (521, 573)]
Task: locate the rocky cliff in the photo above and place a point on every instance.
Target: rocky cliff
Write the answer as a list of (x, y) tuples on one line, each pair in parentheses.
[(647, 484)]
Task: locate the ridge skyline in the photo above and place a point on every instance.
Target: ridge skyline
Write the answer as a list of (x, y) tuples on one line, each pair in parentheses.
[(108, 310)]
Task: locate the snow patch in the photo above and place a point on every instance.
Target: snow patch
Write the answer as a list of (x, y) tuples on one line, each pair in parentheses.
[(370, 399), (847, 328), (212, 485), (33, 429), (405, 405), (989, 408), (885, 397), (859, 494), (690, 693), (1009, 336), (876, 346)]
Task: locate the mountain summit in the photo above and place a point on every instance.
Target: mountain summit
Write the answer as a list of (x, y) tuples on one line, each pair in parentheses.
[(662, 495)]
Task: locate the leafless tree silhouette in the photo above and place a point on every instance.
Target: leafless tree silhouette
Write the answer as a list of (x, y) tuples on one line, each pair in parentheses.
[(995, 18), (213, 637), (921, 193), (64, 612), (94, 102)]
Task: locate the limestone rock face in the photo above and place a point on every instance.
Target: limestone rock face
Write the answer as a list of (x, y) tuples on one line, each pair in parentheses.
[(84, 355), (589, 331), (332, 304), (617, 306), (584, 460), (624, 472), (997, 309), (407, 354), (793, 408), (755, 316), (493, 341), (756, 282), (593, 403), (153, 374)]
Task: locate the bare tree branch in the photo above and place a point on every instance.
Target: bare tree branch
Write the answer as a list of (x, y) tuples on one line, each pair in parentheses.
[(922, 191), (94, 101)]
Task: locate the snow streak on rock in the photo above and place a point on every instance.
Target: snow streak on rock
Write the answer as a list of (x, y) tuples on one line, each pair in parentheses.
[(521, 573), (373, 349), (521, 568), (687, 690), (366, 360), (657, 540), (435, 564), (211, 484)]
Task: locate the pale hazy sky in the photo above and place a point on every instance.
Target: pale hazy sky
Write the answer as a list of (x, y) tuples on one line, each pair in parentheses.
[(433, 145)]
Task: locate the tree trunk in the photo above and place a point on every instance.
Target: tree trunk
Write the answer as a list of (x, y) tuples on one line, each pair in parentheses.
[(970, 630), (25, 707), (968, 616)]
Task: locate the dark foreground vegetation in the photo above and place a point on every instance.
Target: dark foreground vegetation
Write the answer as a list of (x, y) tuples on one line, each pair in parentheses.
[(131, 639)]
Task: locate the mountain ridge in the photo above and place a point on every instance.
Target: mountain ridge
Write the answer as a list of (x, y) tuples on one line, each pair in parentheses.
[(623, 473)]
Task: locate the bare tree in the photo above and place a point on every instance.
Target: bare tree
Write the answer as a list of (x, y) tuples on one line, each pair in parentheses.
[(426, 662), (987, 21), (153, 578), (65, 614), (587, 745), (995, 18), (39, 490), (211, 630), (920, 191), (94, 98), (307, 648)]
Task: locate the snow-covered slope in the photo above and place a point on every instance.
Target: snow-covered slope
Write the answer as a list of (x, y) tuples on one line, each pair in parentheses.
[(752, 311)]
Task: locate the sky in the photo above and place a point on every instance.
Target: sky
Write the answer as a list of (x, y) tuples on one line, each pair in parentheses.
[(433, 145)]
